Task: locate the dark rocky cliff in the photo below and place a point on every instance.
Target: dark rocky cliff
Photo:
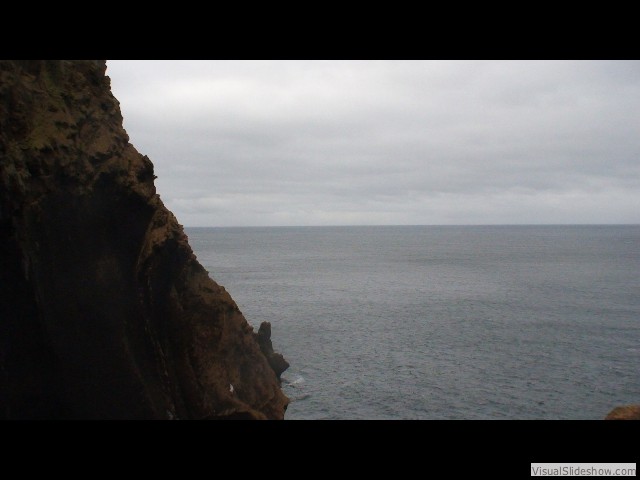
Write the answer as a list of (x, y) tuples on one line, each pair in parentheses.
[(105, 312)]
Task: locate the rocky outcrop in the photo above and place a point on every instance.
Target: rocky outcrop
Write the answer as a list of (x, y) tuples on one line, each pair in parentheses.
[(276, 360), (627, 412), (105, 313)]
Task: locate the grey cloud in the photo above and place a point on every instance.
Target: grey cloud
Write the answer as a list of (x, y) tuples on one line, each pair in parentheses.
[(242, 143)]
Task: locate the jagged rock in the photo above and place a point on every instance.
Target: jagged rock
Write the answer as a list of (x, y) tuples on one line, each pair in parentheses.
[(105, 312), (276, 360), (627, 412)]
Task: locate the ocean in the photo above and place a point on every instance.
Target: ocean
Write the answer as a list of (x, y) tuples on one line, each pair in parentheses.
[(441, 322)]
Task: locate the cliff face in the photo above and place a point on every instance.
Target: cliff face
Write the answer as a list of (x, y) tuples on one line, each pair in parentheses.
[(104, 310)]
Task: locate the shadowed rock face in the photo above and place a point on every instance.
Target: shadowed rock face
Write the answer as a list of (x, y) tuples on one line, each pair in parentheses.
[(105, 312), (276, 360)]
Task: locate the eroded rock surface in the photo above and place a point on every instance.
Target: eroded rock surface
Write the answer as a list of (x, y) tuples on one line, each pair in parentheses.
[(276, 360), (626, 412), (104, 310)]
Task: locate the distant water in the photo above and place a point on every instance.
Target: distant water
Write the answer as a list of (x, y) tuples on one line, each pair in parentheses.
[(496, 322)]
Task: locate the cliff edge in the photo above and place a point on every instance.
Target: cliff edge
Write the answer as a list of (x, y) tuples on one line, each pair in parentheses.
[(105, 313)]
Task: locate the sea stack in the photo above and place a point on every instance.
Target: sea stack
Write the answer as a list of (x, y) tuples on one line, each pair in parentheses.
[(105, 312)]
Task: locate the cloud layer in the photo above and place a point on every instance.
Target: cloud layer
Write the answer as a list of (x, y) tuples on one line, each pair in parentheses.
[(238, 143)]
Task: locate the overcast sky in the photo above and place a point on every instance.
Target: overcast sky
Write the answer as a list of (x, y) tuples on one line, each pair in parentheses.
[(241, 143)]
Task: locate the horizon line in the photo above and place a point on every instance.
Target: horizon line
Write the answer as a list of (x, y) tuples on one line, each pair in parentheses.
[(426, 225)]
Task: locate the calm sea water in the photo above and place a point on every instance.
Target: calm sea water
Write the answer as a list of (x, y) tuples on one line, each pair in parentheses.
[(423, 322)]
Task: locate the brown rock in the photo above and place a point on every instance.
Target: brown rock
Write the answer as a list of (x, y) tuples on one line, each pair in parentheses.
[(104, 310), (627, 412), (276, 360)]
